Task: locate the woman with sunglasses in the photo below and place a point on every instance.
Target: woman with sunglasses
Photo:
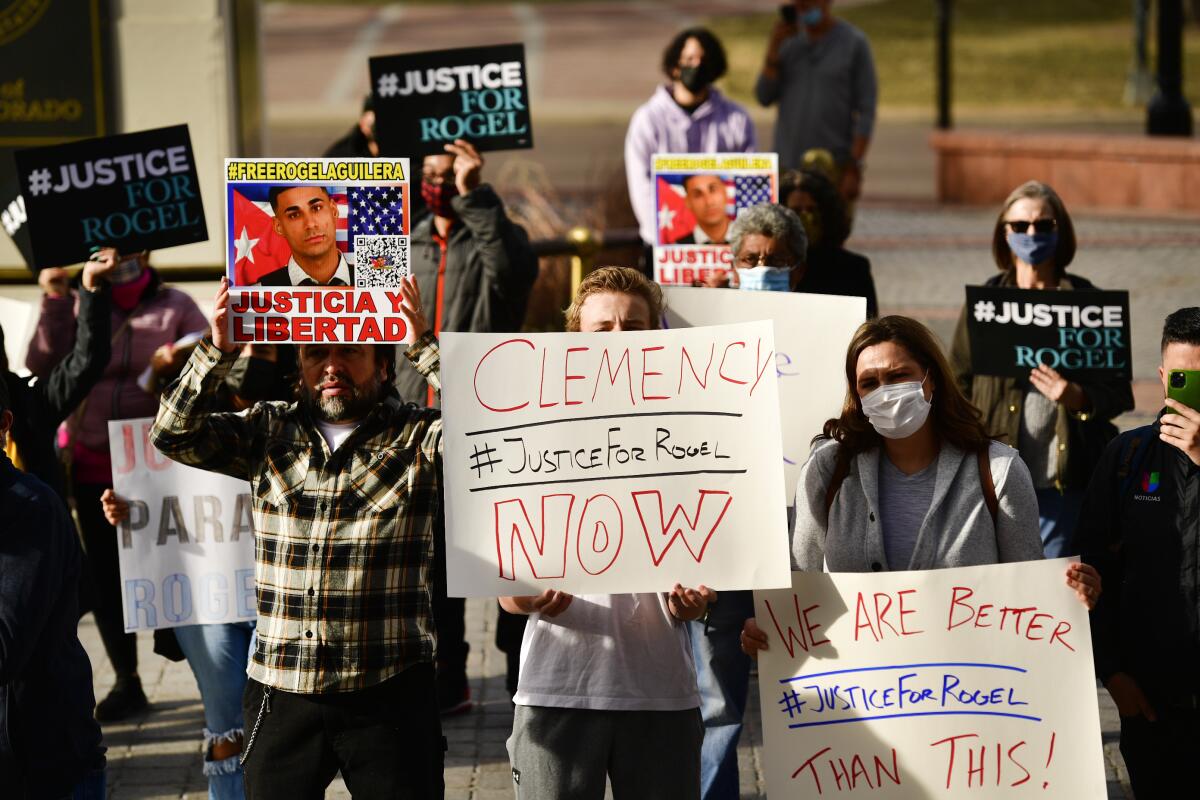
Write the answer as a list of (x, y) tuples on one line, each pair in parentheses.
[(1059, 426)]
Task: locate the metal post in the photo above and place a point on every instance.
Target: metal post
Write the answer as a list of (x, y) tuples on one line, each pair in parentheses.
[(586, 246), (1168, 113), (942, 12)]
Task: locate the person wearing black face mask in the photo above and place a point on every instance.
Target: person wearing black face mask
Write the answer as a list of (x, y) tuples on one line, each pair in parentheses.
[(257, 375), (1061, 427), (475, 269), (685, 115)]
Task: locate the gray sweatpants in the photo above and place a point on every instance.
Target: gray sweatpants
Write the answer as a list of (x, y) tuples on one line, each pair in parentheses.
[(566, 753)]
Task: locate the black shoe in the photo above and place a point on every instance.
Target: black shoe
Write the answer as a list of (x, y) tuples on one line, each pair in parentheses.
[(125, 700)]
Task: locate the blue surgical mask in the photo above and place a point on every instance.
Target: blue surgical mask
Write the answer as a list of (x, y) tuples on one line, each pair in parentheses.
[(1033, 248), (812, 17), (764, 279)]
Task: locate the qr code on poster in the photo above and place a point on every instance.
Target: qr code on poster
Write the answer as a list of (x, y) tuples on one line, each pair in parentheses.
[(380, 261)]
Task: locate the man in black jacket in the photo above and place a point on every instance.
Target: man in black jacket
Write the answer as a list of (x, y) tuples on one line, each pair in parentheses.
[(40, 406), (1140, 527), (475, 269), (50, 744)]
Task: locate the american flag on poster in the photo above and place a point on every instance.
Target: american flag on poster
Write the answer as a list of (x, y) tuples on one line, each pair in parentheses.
[(675, 219), (377, 210), (257, 248)]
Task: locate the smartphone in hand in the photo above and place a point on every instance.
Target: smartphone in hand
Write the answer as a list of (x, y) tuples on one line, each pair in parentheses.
[(1183, 386)]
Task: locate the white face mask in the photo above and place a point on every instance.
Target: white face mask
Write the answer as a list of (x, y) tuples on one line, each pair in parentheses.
[(897, 410)]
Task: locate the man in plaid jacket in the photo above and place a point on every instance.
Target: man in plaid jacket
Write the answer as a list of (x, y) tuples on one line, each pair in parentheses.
[(345, 487)]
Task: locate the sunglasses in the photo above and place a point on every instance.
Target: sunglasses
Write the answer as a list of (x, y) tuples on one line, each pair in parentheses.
[(1039, 225)]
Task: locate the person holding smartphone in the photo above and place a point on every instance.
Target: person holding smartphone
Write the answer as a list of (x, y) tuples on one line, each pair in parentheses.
[(1140, 528), (820, 71)]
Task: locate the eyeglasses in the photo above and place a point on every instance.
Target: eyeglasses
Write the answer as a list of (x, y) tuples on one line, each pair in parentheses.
[(750, 260), (1039, 225)]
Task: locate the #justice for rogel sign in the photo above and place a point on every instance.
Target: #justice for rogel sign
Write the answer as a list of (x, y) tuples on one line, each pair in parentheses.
[(136, 191), (425, 100), (1012, 331)]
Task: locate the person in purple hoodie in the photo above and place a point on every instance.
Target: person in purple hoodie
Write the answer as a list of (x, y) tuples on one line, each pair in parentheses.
[(687, 114)]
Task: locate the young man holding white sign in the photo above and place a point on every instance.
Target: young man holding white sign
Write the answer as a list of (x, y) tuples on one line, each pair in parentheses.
[(346, 492), (607, 685)]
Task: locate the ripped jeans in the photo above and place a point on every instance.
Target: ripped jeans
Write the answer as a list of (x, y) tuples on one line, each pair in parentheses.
[(217, 655)]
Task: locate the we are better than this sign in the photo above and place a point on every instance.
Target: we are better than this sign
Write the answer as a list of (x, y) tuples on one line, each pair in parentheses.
[(951, 683), (613, 462)]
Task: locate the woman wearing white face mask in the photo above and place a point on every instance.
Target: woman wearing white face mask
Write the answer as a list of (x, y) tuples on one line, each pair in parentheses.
[(907, 477)]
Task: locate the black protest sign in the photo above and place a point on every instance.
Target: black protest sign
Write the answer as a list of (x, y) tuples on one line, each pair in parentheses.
[(425, 100), (1082, 334), (137, 191)]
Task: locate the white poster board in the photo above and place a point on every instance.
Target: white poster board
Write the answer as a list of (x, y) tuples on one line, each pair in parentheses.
[(812, 332), (19, 318), (969, 682), (613, 462), (187, 549)]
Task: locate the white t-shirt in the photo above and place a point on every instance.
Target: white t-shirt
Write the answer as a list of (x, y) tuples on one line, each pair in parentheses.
[(334, 433), (618, 652)]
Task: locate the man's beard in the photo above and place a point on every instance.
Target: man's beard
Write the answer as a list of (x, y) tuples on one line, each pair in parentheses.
[(342, 408)]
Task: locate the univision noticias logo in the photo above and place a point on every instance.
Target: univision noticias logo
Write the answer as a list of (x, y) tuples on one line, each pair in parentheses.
[(1149, 485)]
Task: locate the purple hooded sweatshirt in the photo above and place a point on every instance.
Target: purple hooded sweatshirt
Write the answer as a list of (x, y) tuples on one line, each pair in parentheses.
[(718, 125)]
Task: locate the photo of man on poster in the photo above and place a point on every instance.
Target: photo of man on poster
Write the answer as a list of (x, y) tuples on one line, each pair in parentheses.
[(306, 217), (706, 197)]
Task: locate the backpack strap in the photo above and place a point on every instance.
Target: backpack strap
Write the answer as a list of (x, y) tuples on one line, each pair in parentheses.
[(987, 483), (841, 468), (1131, 460)]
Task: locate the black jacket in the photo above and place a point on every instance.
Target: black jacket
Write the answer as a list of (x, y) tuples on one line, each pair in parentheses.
[(490, 270), (1140, 527), (835, 270), (40, 406), (280, 277), (48, 738)]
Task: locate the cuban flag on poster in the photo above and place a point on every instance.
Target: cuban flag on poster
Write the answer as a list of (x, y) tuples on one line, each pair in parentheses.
[(256, 248), (676, 220)]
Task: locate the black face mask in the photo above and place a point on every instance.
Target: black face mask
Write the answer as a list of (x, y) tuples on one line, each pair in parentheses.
[(255, 379), (694, 79)]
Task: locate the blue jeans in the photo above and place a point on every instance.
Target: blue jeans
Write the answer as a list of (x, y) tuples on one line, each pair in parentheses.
[(217, 655), (1057, 514), (723, 676)]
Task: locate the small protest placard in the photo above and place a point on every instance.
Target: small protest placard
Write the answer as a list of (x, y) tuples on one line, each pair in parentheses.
[(975, 681), (186, 551), (1081, 333), (426, 100), (136, 191), (697, 198), (812, 332), (615, 462), (316, 249)]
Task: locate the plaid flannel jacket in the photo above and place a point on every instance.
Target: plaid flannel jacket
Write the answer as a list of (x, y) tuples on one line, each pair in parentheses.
[(343, 541)]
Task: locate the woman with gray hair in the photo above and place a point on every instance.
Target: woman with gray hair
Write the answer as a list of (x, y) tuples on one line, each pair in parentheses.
[(769, 246)]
